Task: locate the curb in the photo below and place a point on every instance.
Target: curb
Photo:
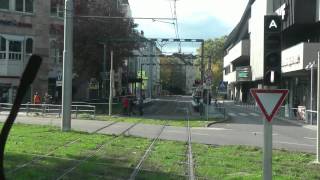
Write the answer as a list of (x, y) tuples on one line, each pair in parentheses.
[(216, 122)]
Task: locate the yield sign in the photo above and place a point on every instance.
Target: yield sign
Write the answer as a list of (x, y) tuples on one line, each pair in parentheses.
[(269, 101)]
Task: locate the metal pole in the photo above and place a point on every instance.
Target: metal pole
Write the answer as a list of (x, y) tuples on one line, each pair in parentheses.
[(267, 150), (150, 70), (141, 80), (111, 85), (311, 94), (267, 134), (67, 66), (318, 111), (208, 105), (269, 7), (202, 64), (104, 70)]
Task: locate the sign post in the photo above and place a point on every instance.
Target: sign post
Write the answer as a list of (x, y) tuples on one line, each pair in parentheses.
[(269, 102)]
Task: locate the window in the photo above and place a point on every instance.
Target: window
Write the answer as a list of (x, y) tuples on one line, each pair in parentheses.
[(57, 8), (55, 53), (2, 44), (4, 4), (24, 5), (29, 46), (2, 48), (15, 48)]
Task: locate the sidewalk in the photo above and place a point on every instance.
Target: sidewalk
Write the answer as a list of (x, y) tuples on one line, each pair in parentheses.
[(288, 120)]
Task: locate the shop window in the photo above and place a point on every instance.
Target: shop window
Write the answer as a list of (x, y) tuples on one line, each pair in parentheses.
[(4, 4), (24, 5), (29, 46)]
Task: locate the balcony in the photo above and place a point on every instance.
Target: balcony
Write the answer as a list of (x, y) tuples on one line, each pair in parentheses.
[(239, 51), (12, 66), (297, 57)]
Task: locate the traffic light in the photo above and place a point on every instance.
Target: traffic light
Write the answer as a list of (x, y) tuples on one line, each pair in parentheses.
[(272, 49)]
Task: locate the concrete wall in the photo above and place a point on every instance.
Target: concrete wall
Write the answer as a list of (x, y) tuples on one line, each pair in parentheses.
[(256, 30)]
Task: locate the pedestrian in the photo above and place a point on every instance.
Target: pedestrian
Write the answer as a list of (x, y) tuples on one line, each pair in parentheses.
[(36, 98), (140, 106), (125, 105), (47, 98), (131, 107)]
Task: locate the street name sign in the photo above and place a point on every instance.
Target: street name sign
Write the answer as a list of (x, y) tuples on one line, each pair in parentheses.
[(269, 100)]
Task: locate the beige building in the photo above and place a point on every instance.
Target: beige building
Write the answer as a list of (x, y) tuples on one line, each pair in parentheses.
[(29, 27)]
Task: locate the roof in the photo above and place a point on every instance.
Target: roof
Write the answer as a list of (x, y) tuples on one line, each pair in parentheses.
[(241, 30)]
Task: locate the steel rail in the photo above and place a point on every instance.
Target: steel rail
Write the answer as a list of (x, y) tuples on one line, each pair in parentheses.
[(146, 154), (19, 166), (96, 151)]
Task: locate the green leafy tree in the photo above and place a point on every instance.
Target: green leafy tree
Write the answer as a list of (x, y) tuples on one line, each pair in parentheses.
[(173, 75), (90, 33), (215, 49)]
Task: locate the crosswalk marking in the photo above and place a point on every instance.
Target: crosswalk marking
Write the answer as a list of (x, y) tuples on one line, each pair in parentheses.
[(254, 114), (243, 114)]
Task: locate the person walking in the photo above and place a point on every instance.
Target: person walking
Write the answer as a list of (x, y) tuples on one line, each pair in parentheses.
[(125, 105), (36, 98), (140, 106)]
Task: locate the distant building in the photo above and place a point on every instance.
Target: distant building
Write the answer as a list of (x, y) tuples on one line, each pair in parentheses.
[(146, 63)]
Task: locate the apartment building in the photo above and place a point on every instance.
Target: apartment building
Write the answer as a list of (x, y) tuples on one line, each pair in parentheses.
[(145, 63), (243, 61), (29, 27)]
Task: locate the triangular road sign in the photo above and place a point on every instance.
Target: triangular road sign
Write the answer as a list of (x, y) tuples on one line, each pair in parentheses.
[(269, 100)]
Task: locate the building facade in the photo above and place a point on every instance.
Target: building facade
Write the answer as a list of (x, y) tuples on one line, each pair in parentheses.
[(36, 27), (29, 27), (244, 51), (145, 65)]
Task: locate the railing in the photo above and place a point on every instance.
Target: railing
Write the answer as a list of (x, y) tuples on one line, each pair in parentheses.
[(49, 109), (217, 107), (287, 113)]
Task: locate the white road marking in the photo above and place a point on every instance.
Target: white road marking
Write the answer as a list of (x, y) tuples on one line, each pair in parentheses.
[(310, 138), (260, 133), (177, 132), (201, 134), (254, 114), (232, 114), (213, 128), (243, 114), (292, 143)]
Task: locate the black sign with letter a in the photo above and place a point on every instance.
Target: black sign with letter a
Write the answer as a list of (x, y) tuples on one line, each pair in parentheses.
[(272, 50)]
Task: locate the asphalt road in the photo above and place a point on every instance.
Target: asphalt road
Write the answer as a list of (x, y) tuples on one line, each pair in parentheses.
[(245, 128)]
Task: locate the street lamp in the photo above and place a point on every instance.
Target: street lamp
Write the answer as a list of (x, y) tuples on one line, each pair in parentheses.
[(311, 66)]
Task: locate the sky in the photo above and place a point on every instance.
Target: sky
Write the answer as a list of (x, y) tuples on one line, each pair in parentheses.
[(199, 19)]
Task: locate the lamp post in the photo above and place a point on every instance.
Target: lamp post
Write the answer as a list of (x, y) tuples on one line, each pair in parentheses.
[(67, 66), (318, 111), (311, 66)]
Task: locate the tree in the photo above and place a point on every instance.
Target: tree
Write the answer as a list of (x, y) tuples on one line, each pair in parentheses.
[(90, 33), (173, 75), (215, 49)]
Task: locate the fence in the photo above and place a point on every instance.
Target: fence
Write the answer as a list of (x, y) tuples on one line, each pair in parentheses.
[(215, 110), (49, 109), (300, 113)]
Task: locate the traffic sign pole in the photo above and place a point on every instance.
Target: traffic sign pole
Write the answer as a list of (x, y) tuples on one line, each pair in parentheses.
[(269, 102), (267, 150)]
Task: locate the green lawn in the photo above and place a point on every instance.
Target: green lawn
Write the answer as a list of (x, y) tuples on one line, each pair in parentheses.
[(171, 122), (241, 162), (118, 156)]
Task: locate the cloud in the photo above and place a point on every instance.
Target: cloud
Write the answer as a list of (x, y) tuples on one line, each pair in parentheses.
[(196, 18)]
